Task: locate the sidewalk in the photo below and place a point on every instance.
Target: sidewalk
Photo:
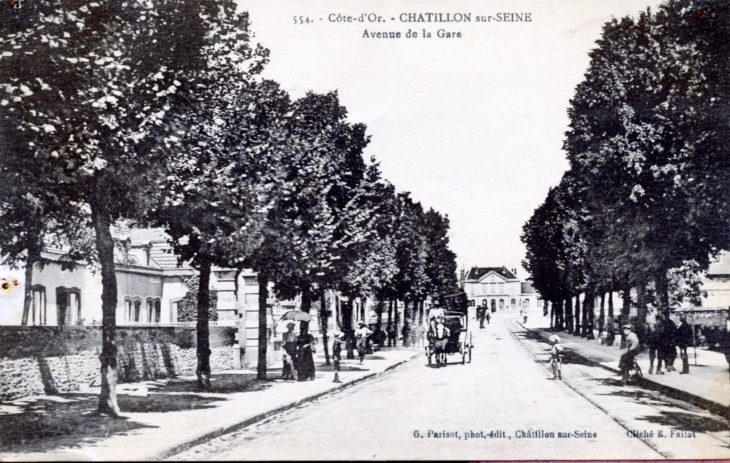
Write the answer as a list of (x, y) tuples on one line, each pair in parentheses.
[(707, 381), (163, 417)]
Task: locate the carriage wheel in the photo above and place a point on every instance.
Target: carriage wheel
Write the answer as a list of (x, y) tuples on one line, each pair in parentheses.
[(463, 353), (469, 354)]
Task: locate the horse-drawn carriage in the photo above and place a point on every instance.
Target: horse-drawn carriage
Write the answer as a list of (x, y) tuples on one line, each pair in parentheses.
[(455, 340)]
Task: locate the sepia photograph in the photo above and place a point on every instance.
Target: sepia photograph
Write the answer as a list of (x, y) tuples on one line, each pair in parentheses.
[(480, 230)]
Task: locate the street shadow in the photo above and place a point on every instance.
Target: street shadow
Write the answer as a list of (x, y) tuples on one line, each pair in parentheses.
[(65, 421), (164, 403), (682, 421), (331, 368), (642, 396), (220, 383), (530, 335)]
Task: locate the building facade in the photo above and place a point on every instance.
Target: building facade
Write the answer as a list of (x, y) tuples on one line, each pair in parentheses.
[(498, 289), (150, 286)]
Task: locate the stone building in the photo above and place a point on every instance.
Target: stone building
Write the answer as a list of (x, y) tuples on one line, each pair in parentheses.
[(499, 289), (150, 286)]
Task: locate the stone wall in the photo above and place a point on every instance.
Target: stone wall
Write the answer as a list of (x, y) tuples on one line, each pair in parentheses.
[(38, 360)]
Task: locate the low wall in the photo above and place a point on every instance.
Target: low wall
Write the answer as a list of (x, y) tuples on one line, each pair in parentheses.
[(36, 360)]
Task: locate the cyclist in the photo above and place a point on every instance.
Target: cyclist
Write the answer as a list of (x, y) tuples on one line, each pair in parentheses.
[(556, 361), (629, 357)]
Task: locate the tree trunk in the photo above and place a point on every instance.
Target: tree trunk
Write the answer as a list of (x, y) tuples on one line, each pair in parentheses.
[(323, 320), (625, 309), (602, 315), (306, 307), (390, 312), (662, 288), (397, 322), (641, 305), (34, 255), (626, 303), (338, 313), (552, 314), (568, 311), (203, 331), (610, 330), (105, 249), (347, 312), (379, 312), (577, 326), (263, 335), (589, 314)]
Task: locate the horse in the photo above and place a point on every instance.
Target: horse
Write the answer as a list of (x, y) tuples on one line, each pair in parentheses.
[(440, 337)]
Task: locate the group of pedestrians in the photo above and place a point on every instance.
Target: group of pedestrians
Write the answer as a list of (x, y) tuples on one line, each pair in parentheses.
[(664, 340), (298, 355), (483, 314)]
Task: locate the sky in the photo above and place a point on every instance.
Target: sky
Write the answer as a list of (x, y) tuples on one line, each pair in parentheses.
[(471, 126)]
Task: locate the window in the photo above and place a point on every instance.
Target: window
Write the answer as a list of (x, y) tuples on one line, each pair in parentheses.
[(174, 306), (38, 305), (501, 288), (501, 304), (513, 303), (133, 309), (153, 310), (150, 310), (527, 303), (68, 306), (127, 310)]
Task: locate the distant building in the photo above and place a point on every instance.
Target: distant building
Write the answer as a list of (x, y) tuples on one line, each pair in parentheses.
[(716, 283), (499, 289)]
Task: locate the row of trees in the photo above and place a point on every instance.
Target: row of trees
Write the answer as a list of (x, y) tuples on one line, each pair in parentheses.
[(154, 112), (646, 201)]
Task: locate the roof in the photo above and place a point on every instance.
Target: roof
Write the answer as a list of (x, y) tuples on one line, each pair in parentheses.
[(476, 273), (161, 252)]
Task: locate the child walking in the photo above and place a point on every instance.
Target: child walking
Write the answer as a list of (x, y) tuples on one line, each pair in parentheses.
[(556, 361)]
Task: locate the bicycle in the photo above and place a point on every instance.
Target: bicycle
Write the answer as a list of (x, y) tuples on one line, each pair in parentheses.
[(635, 374)]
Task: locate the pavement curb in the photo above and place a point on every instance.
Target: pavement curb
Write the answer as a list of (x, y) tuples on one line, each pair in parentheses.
[(262, 416), (669, 391)]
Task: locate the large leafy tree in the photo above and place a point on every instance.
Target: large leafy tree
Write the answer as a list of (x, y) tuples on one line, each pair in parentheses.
[(220, 185), (95, 84)]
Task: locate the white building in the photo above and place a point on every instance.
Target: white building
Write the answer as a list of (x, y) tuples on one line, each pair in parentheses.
[(150, 286), (499, 289)]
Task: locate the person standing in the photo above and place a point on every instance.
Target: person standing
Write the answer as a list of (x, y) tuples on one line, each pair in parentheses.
[(289, 344), (684, 340), (337, 350), (653, 340), (481, 314), (406, 332), (361, 334), (391, 335), (305, 358)]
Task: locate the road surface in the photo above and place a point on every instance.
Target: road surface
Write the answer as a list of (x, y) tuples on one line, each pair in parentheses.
[(501, 406)]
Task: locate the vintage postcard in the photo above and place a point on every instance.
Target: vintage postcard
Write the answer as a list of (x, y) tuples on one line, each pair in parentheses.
[(364, 230)]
